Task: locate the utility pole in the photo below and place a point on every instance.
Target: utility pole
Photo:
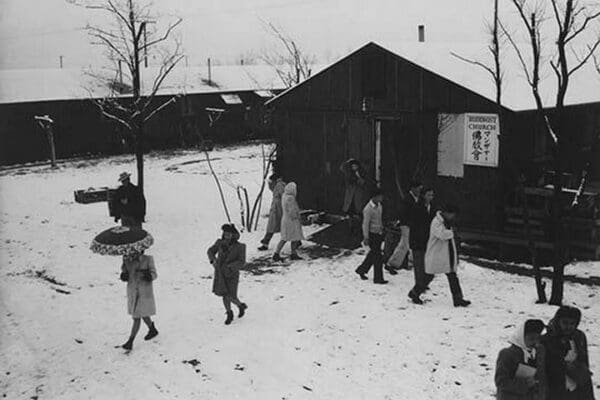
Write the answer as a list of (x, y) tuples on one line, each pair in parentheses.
[(61, 61)]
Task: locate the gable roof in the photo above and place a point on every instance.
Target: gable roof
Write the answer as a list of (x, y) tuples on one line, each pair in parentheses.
[(30, 85), (438, 59)]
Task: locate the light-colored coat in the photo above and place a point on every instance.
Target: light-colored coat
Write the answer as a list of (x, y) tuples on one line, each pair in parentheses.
[(140, 294), (291, 226), (437, 255), (276, 211)]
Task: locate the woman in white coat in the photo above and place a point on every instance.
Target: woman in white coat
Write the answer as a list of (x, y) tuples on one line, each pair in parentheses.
[(138, 271), (291, 226), (441, 256)]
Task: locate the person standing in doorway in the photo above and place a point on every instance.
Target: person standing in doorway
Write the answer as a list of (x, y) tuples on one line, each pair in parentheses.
[(129, 203), (356, 193), (372, 227), (291, 225), (276, 185), (441, 256), (228, 256), (399, 259), (420, 223)]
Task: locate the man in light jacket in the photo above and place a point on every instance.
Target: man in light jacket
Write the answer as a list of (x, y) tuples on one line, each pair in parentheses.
[(441, 256), (372, 228)]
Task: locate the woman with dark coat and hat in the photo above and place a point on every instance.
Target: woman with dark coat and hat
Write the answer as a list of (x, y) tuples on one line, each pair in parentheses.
[(567, 364), (228, 256)]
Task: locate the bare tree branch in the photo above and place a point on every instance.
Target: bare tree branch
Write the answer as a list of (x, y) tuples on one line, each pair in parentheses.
[(164, 37), (160, 108)]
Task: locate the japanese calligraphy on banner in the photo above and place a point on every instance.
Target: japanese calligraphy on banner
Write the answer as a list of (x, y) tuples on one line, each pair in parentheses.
[(481, 140)]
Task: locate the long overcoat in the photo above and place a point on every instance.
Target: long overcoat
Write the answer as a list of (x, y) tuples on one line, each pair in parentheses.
[(291, 225), (276, 211), (140, 294), (227, 260), (357, 190), (437, 256)]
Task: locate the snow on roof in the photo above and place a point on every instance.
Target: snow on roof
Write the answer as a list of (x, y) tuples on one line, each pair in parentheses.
[(29, 85), (584, 85)]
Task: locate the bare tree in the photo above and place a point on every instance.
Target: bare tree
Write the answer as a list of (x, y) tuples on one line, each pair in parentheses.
[(494, 47), (290, 62), (128, 40), (573, 20)]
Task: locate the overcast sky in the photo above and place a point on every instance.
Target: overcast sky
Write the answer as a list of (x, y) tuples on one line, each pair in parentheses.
[(34, 33)]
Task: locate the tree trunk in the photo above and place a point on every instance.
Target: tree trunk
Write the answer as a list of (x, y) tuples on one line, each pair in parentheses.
[(539, 282), (139, 156)]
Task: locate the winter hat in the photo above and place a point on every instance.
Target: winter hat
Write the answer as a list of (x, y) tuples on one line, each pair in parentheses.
[(124, 176), (568, 312), (231, 229)]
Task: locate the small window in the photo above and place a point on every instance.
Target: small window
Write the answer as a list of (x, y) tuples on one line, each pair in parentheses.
[(231, 99), (264, 93)]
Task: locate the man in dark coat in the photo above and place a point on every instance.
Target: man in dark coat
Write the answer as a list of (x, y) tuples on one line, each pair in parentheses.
[(419, 224), (567, 364), (128, 203), (399, 259)]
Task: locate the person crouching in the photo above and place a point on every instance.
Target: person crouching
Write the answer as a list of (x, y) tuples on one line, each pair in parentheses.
[(228, 256)]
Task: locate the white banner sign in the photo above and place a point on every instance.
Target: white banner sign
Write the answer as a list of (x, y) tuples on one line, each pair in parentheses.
[(482, 132)]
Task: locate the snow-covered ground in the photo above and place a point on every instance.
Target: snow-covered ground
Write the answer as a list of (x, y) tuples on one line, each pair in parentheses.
[(313, 329)]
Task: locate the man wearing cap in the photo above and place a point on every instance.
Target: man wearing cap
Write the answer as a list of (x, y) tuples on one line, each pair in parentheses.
[(129, 204)]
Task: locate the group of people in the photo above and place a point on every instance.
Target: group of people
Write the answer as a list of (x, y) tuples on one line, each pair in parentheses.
[(549, 366), (427, 232)]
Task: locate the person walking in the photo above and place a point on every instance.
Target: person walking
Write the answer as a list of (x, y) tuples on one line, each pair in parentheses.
[(399, 258), (567, 364), (372, 228), (291, 226), (518, 367), (441, 256), (138, 270), (277, 186), (420, 223), (227, 256), (129, 203)]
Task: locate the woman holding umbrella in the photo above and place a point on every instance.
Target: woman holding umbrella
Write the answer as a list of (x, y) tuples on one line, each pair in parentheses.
[(227, 256), (138, 270)]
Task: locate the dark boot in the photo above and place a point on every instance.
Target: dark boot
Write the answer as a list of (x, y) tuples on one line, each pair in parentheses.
[(295, 256), (229, 317), (263, 247), (415, 297), (128, 345), (362, 275), (455, 289), (243, 308), (277, 257), (391, 270), (152, 333)]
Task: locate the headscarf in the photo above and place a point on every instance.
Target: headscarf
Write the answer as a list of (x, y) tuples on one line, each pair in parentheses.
[(563, 312), (518, 339), (290, 189)]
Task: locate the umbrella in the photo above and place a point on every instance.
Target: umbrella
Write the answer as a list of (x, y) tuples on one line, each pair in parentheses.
[(121, 241)]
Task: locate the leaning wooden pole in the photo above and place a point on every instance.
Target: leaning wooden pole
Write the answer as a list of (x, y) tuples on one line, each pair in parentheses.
[(212, 171)]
